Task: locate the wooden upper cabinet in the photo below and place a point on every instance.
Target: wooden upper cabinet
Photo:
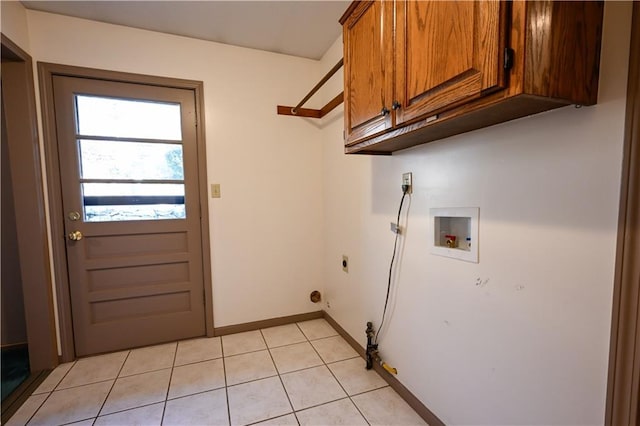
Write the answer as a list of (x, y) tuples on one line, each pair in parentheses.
[(446, 52), (441, 68), (368, 70)]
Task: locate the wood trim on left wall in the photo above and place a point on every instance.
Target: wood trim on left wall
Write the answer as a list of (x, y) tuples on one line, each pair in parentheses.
[(33, 247), (623, 388)]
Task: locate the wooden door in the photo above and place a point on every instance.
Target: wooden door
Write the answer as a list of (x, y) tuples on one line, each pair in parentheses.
[(368, 69), (129, 178), (447, 52)]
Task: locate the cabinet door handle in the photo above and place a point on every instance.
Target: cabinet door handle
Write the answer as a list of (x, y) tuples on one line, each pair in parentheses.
[(384, 111), (396, 105)]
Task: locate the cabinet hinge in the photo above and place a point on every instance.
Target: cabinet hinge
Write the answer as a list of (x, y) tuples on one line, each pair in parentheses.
[(508, 58), (344, 136)]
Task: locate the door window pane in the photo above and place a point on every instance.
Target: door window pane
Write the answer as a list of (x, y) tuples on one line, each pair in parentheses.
[(144, 212), (132, 201), (112, 117), (130, 160)]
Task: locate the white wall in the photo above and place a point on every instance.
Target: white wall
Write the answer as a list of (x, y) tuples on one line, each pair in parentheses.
[(529, 345), (265, 230), (14, 23)]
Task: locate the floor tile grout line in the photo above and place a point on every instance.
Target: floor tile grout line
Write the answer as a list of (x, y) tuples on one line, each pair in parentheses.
[(305, 334), (340, 384), (166, 396), (144, 372), (370, 390), (284, 373), (86, 384), (273, 418), (349, 397), (112, 386), (278, 374), (175, 344), (283, 386), (325, 337), (220, 388), (292, 371), (253, 380), (197, 362), (48, 396), (288, 344), (244, 353), (59, 381), (357, 356), (342, 398), (123, 411), (191, 394), (93, 420), (37, 409), (326, 365), (226, 387), (106, 380), (83, 385)]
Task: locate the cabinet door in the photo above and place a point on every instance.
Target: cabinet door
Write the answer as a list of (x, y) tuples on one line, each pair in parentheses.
[(447, 52), (368, 69)]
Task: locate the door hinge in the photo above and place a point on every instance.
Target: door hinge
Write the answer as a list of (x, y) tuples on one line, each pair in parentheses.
[(508, 58)]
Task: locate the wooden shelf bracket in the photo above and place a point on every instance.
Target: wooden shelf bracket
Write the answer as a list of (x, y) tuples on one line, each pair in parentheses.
[(298, 111)]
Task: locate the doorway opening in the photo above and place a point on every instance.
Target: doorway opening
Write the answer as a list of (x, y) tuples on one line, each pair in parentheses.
[(15, 352), (29, 347)]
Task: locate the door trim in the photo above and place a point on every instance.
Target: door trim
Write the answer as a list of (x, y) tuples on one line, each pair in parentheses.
[(623, 388), (26, 170), (46, 72)]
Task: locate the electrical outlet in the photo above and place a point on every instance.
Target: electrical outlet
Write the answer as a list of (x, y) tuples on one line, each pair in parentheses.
[(345, 263), (407, 179)]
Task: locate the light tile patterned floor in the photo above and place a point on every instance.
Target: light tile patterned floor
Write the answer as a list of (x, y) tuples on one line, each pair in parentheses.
[(296, 374)]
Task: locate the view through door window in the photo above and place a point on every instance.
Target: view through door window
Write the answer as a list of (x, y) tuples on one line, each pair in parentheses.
[(131, 159)]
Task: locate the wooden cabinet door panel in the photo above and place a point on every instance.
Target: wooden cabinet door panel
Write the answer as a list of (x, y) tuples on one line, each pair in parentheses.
[(446, 52), (368, 69)]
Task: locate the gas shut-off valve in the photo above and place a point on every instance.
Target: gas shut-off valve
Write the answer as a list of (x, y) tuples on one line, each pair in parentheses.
[(372, 355)]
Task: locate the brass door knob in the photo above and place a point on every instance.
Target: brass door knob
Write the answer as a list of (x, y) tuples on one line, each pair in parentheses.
[(75, 236)]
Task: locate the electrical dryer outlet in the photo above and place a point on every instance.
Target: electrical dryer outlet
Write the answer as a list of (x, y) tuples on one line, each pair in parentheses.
[(407, 179)]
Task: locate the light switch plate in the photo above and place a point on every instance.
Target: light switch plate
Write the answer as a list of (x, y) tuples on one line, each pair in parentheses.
[(215, 190)]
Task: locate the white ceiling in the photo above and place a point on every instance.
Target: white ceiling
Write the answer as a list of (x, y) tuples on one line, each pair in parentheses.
[(303, 28)]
